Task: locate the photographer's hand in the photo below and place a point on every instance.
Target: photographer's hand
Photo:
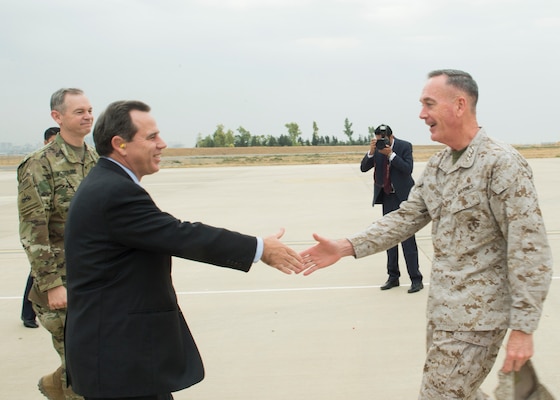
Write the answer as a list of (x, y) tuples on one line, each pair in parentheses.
[(386, 151), (372, 145)]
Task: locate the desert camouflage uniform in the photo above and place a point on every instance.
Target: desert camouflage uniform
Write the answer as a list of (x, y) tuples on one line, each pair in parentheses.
[(47, 181), (492, 262)]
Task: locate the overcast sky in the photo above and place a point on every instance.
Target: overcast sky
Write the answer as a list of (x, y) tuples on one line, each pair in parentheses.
[(261, 64)]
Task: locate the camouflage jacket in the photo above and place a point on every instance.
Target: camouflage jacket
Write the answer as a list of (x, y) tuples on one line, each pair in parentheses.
[(47, 181), (492, 263)]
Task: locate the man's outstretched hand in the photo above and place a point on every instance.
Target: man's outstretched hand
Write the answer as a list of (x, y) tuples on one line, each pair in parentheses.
[(278, 255), (326, 252)]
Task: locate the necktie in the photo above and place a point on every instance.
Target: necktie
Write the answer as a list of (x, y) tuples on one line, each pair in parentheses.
[(387, 180)]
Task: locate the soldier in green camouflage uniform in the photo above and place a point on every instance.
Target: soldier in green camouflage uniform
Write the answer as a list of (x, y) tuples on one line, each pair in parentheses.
[(47, 181), (492, 263)]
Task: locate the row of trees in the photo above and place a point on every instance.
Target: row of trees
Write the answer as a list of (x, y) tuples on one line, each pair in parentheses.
[(228, 138)]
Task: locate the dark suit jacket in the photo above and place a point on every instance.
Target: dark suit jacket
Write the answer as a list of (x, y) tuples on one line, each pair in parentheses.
[(400, 171), (125, 334)]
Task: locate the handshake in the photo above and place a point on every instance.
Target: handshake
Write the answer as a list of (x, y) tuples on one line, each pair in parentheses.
[(326, 252)]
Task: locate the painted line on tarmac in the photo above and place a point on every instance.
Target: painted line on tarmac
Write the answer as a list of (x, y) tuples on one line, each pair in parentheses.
[(303, 289), (239, 291), (279, 290)]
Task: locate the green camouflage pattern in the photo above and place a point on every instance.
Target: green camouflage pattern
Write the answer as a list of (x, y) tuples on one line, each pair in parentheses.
[(54, 321), (47, 181)]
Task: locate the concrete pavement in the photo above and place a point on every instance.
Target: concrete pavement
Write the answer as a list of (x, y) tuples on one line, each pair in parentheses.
[(266, 335)]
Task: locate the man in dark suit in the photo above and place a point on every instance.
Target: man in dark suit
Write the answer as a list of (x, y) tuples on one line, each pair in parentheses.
[(392, 161), (126, 336)]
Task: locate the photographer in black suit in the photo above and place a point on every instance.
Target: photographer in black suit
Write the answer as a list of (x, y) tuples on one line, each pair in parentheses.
[(392, 161)]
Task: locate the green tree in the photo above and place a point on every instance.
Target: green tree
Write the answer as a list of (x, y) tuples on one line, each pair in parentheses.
[(204, 142), (348, 130), (223, 138), (219, 136), (315, 137), (243, 139), (258, 140), (371, 132), (285, 140), (293, 132)]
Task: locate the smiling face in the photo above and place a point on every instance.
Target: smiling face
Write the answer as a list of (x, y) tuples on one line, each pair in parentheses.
[(142, 154), (75, 118), (442, 107)]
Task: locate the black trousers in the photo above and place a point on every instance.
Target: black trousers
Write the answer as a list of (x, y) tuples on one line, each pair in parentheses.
[(27, 313), (410, 249)]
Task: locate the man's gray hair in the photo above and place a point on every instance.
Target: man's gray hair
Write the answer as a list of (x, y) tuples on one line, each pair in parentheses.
[(460, 80), (57, 98)]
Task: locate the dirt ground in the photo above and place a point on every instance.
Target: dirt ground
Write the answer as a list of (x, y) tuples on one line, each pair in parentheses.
[(293, 155), (301, 155)]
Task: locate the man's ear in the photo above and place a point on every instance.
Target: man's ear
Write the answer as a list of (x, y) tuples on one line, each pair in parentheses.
[(460, 105), (56, 116), (119, 145)]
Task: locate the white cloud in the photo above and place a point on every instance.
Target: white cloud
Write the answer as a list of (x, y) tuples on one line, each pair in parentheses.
[(262, 63), (548, 22), (253, 4), (330, 43), (391, 14)]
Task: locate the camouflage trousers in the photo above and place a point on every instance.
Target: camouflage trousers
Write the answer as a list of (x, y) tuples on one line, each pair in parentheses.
[(53, 321), (458, 362)]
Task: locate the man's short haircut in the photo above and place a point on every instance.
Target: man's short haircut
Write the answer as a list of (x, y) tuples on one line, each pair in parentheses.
[(57, 98), (116, 121), (50, 132), (460, 80)]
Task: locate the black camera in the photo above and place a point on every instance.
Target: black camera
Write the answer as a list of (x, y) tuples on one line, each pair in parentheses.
[(384, 131), (382, 143)]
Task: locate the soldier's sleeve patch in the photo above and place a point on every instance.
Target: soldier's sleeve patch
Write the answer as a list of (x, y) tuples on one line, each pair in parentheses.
[(25, 197)]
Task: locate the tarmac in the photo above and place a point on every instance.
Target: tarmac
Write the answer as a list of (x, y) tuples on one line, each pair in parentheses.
[(267, 335)]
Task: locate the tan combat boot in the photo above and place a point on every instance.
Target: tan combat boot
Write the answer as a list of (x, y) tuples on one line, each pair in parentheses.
[(51, 385)]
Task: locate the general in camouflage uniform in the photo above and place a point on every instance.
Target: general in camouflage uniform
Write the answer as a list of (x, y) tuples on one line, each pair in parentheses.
[(492, 263), (47, 181)]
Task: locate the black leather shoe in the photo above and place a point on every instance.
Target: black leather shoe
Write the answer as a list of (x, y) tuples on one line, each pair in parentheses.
[(391, 283), (416, 287), (30, 324)]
